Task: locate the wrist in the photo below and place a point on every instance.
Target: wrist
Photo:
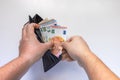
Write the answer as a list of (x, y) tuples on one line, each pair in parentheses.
[(82, 59), (29, 60)]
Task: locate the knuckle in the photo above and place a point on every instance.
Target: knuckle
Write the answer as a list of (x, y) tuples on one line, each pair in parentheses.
[(26, 24)]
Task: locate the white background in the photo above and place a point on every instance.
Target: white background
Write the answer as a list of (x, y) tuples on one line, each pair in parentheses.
[(98, 21)]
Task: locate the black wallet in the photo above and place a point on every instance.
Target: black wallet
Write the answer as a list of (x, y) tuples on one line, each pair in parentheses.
[(49, 60)]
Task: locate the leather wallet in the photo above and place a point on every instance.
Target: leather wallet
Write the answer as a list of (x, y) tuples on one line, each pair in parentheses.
[(49, 60)]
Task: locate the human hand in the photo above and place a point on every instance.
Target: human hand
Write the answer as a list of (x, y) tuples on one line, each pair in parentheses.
[(30, 48), (76, 47)]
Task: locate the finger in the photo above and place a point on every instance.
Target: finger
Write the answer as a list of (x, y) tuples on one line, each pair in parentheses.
[(24, 30), (65, 44), (20, 43), (30, 30), (26, 23), (73, 37), (48, 45), (70, 39), (66, 57), (64, 51), (23, 33), (69, 59)]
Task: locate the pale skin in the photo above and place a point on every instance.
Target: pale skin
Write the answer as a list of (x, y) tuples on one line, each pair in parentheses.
[(31, 50)]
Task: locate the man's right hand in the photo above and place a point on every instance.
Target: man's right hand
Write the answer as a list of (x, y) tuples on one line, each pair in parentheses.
[(76, 47)]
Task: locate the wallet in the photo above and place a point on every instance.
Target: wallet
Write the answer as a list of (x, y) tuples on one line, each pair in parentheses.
[(49, 60)]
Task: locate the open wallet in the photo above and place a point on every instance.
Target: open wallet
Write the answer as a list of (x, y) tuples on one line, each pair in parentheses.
[(49, 30)]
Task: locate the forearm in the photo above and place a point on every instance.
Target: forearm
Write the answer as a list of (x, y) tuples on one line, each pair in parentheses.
[(15, 69), (96, 69)]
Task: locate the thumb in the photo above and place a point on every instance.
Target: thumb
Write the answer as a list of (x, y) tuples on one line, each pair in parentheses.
[(49, 44), (65, 44)]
